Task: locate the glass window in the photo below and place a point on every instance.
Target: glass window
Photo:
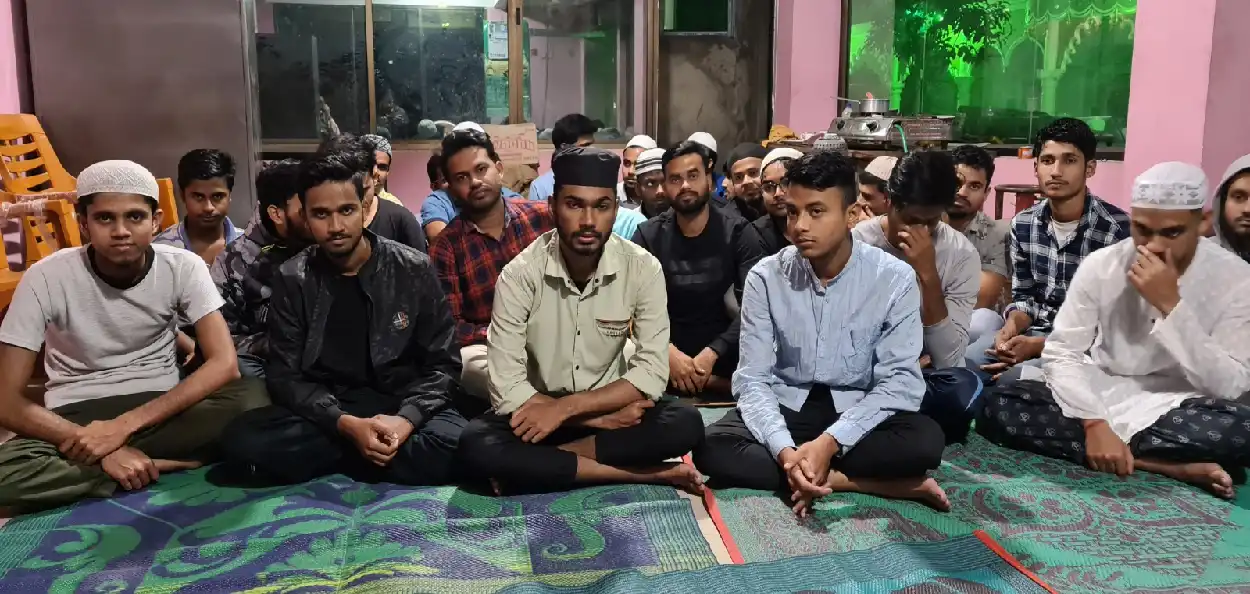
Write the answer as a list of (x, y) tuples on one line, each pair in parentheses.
[(581, 58), (1005, 68), (706, 17), (438, 64), (311, 69)]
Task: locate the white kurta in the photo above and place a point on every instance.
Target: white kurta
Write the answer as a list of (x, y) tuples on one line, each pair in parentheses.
[(1113, 356)]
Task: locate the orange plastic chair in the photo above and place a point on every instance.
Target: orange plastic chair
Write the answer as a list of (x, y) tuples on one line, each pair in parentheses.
[(29, 165), (167, 203)]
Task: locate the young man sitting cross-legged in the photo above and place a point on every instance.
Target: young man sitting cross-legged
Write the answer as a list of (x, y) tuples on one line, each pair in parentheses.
[(829, 379), (115, 412), (362, 359), (571, 404), (1150, 353)]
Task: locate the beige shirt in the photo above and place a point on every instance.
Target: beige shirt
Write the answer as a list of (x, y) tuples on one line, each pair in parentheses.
[(548, 337)]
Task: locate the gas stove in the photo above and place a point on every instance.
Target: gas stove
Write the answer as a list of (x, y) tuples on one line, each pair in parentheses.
[(882, 131)]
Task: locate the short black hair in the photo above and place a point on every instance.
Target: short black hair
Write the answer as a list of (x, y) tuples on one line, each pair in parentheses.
[(353, 150), (203, 164), (689, 147), (822, 170), (868, 179), (1068, 131), (975, 157), (571, 127), (277, 183), (330, 168), (925, 178), (434, 166), (85, 201), (463, 140)]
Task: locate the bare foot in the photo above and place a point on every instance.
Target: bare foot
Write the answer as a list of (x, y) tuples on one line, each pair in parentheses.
[(922, 489), (1207, 475), (174, 465), (680, 475)]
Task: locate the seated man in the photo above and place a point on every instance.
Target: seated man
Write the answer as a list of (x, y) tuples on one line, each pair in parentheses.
[(742, 170), (1048, 242), (571, 404), (922, 188), (439, 210), (705, 251), (474, 247), (829, 381), (1232, 209), (650, 173), (383, 217), (205, 180), (772, 226), (627, 188), (362, 362), (244, 273), (873, 193), (115, 412), (573, 129), (1148, 356), (975, 167), (381, 165)]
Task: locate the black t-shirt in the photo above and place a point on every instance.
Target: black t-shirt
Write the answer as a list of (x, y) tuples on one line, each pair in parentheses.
[(772, 233), (698, 271), (397, 223), (345, 346)]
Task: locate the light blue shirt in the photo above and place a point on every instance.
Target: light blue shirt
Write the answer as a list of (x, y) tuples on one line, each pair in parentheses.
[(627, 222), (438, 206), (861, 336), (543, 187), (177, 234)]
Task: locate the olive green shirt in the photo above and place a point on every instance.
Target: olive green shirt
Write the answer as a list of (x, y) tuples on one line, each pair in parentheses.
[(546, 336)]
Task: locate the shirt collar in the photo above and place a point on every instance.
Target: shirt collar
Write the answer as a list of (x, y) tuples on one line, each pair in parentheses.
[(228, 231)]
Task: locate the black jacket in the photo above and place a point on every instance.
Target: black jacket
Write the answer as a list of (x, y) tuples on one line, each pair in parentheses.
[(411, 334)]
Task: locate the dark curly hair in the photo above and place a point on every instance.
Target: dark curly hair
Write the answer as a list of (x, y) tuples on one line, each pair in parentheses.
[(925, 178), (1068, 131), (690, 147), (975, 157), (463, 140), (824, 170), (331, 168), (202, 164)]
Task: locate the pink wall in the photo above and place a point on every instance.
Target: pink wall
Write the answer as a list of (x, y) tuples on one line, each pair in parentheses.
[(806, 63), (1227, 133)]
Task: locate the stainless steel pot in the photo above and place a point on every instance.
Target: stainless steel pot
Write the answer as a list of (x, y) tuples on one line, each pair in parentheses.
[(874, 106)]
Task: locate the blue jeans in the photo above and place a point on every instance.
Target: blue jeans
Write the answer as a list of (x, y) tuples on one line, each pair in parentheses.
[(251, 366), (976, 357), (951, 398)]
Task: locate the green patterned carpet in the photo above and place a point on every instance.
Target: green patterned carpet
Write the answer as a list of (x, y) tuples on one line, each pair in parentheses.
[(1078, 530), (950, 566), (333, 535)]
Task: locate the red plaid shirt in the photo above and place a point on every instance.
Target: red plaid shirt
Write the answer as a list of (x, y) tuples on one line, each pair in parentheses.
[(468, 262)]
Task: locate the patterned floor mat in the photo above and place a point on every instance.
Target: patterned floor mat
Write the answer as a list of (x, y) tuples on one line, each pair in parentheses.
[(1079, 531), (951, 566), (331, 535)]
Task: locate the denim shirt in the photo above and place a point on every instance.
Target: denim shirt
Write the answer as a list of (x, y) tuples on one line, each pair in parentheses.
[(860, 335)]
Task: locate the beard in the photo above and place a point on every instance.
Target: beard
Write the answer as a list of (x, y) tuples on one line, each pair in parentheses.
[(686, 204), (340, 245), (585, 242)]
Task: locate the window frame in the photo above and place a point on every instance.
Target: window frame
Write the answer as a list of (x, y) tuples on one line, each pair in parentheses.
[(515, 10)]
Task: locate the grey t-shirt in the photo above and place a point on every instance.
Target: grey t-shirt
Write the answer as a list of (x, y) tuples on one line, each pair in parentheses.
[(104, 341), (959, 268), (989, 237)]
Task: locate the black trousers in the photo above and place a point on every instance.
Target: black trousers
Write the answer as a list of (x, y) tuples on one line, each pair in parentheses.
[(273, 445), (1024, 416), (488, 446), (906, 445)]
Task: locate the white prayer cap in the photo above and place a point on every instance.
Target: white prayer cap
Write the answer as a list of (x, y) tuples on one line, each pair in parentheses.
[(468, 126), (704, 139), (118, 177), (779, 153), (641, 141), (882, 167), (1171, 186), (650, 160)]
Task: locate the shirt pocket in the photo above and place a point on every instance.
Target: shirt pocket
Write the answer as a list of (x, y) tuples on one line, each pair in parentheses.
[(858, 352)]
